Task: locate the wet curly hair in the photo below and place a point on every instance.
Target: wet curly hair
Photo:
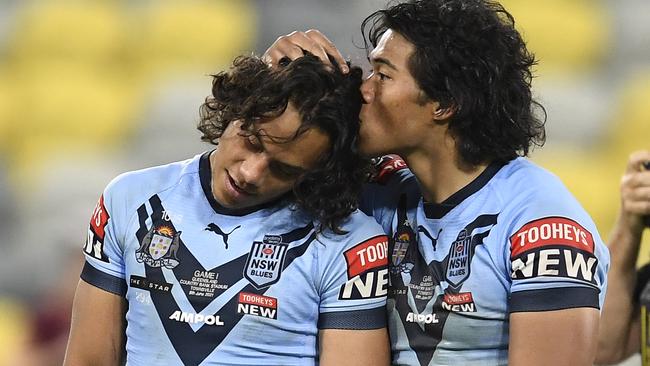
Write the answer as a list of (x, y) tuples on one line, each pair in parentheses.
[(469, 57), (325, 98)]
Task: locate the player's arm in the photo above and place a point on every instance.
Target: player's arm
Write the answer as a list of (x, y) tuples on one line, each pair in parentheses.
[(558, 269), (620, 321), (560, 337), (352, 320), (354, 347), (98, 327), (619, 326)]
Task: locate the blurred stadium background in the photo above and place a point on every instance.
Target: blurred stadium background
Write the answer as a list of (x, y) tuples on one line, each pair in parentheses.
[(89, 89)]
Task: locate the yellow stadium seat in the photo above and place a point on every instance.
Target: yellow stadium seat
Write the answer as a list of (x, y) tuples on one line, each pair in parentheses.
[(194, 34), (88, 33), (566, 36), (630, 130), (68, 109), (6, 110), (78, 105)]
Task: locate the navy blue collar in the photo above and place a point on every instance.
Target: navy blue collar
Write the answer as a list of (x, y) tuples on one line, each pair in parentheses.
[(205, 175), (438, 210)]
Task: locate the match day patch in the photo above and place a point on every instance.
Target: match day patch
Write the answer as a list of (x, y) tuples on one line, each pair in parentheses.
[(551, 231), (386, 166), (97, 231), (367, 270)]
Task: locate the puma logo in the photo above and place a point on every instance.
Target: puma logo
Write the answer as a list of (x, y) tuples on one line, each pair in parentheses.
[(217, 230), (434, 241)]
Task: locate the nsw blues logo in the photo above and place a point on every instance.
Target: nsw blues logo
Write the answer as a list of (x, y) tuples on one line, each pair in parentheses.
[(459, 259), (265, 262)]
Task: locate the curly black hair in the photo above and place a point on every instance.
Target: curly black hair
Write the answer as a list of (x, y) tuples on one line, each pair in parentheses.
[(325, 98), (469, 57)]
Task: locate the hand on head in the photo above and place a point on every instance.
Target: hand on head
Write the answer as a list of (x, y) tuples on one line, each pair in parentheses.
[(294, 44)]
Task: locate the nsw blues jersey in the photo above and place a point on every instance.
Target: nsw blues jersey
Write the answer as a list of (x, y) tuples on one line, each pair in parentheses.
[(513, 240), (205, 287)]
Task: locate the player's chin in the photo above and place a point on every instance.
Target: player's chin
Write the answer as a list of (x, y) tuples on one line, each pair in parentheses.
[(369, 147)]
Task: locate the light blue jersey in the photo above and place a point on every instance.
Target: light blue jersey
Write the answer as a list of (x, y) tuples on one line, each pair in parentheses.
[(513, 240), (207, 286)]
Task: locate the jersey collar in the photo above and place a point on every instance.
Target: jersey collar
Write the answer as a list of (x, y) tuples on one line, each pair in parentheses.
[(205, 175), (438, 210)]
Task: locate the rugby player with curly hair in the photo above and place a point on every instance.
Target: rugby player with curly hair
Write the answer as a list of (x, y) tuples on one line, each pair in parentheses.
[(492, 260), (253, 253)]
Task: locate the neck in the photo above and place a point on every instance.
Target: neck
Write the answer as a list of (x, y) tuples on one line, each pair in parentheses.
[(440, 170)]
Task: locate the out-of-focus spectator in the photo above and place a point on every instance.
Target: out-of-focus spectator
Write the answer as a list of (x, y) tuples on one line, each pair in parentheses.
[(620, 327), (43, 262), (48, 324)]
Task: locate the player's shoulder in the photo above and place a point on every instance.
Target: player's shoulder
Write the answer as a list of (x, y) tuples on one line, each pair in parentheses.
[(360, 222), (536, 198), (152, 180), (364, 241), (523, 180), (358, 227)]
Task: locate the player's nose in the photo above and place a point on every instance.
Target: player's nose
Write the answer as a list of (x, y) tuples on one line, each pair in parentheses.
[(254, 169), (368, 90)]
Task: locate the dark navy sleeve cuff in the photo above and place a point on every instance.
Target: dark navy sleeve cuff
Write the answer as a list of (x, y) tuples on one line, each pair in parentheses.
[(103, 280), (554, 299), (354, 320)]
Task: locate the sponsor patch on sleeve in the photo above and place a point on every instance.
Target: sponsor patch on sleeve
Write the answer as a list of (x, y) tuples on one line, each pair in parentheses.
[(97, 231), (386, 166), (258, 305), (367, 255), (553, 247), (367, 269), (99, 219), (551, 231)]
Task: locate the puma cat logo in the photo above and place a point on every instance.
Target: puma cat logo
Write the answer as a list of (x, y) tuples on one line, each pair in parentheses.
[(217, 230), (434, 241)]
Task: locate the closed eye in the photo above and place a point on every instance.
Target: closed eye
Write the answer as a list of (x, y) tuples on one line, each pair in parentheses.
[(284, 171), (252, 141), (380, 75)]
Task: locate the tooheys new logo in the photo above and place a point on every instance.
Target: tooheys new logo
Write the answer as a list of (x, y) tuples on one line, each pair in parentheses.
[(553, 247), (367, 270), (423, 318), (97, 231)]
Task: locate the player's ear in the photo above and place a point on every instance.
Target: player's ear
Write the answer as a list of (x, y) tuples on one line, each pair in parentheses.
[(440, 113)]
